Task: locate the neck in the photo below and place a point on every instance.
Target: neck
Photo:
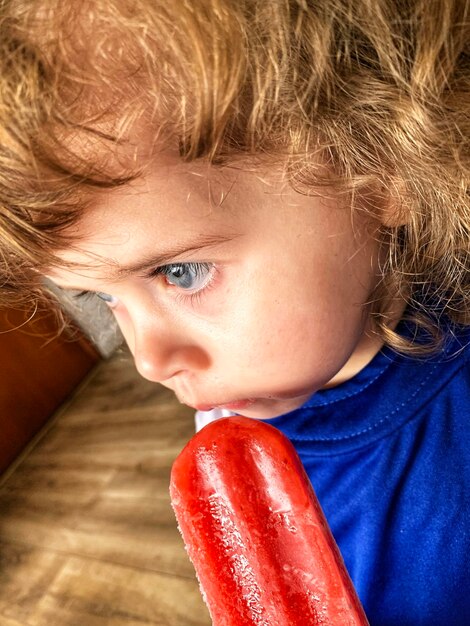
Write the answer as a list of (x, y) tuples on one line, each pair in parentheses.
[(368, 346)]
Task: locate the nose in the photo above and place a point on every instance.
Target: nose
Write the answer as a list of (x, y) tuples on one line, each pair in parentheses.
[(160, 350), (160, 360)]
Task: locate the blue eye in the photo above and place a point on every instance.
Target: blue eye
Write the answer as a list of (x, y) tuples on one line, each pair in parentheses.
[(188, 276), (106, 297)]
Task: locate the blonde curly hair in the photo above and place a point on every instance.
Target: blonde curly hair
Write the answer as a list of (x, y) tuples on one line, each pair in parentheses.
[(379, 91)]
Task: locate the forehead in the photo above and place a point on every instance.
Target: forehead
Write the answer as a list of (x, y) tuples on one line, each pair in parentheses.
[(175, 196), (172, 205)]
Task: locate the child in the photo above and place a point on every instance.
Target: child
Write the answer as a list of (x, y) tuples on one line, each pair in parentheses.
[(272, 197)]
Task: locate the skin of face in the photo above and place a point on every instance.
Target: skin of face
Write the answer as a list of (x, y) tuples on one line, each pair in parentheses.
[(262, 297)]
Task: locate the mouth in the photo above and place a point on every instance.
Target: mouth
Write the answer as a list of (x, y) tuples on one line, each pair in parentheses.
[(236, 405)]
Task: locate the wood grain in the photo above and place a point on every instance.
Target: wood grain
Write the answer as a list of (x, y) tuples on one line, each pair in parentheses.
[(38, 370), (87, 533)]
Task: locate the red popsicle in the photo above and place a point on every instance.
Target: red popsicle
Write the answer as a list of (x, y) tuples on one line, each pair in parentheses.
[(255, 533)]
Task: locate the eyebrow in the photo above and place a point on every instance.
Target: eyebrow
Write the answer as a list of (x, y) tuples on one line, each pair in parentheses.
[(200, 242)]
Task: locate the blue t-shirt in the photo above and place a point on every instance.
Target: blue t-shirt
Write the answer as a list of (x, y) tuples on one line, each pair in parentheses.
[(388, 454)]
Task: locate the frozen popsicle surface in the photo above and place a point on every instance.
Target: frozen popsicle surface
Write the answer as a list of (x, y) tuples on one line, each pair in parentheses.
[(255, 533)]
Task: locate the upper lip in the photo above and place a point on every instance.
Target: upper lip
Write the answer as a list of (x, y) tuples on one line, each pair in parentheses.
[(218, 405)]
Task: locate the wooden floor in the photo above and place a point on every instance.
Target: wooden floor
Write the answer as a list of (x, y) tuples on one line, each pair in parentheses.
[(87, 533)]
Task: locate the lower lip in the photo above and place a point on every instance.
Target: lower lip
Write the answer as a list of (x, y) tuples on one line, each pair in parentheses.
[(238, 405)]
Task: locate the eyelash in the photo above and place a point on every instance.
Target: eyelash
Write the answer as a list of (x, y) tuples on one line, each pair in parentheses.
[(193, 297), (83, 295), (164, 270)]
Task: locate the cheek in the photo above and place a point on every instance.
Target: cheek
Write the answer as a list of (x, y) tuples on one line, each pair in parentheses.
[(296, 330), (284, 338)]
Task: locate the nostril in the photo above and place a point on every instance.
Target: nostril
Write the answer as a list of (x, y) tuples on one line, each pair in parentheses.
[(195, 358)]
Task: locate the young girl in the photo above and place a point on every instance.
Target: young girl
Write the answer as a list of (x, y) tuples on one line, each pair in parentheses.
[(272, 197)]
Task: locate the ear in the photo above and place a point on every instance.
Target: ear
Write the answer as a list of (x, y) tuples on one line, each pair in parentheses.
[(394, 210), (393, 216), (388, 204)]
